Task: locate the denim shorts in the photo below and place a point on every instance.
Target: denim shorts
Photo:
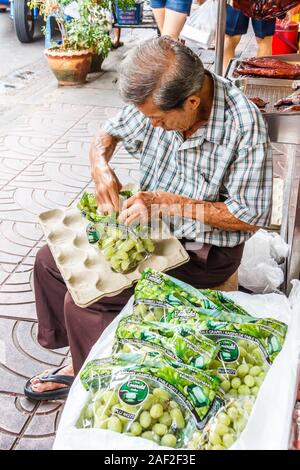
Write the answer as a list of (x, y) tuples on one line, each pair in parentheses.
[(182, 6), (237, 24)]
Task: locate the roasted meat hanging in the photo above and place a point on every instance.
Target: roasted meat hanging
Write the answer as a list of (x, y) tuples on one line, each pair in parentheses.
[(264, 9)]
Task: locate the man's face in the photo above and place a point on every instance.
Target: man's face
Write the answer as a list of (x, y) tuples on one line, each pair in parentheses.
[(174, 120)]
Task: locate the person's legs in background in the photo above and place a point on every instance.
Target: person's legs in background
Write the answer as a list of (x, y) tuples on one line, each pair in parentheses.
[(230, 45), (236, 25), (173, 23), (264, 31), (170, 15)]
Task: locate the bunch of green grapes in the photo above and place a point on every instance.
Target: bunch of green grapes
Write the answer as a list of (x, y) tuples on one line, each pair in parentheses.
[(244, 376), (159, 418), (123, 254), (225, 427)]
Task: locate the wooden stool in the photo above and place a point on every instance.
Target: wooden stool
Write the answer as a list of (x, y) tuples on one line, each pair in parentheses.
[(231, 284)]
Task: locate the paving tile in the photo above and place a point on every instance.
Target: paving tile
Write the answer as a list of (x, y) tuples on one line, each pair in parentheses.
[(54, 177), (12, 419), (25, 204), (23, 147), (44, 423), (21, 353), (86, 96), (6, 440), (39, 443), (107, 80), (21, 357), (9, 168), (68, 151)]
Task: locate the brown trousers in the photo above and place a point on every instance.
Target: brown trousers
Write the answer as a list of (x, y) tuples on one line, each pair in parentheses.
[(62, 323)]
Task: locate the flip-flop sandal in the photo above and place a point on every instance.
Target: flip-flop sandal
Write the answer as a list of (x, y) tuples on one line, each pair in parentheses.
[(58, 394)]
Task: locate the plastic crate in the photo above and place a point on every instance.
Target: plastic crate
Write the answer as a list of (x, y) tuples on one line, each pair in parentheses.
[(133, 15)]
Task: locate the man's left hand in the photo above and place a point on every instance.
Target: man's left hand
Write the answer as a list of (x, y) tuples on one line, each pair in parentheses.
[(145, 205)]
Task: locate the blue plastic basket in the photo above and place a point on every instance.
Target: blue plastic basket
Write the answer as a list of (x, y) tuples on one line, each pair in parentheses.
[(133, 15)]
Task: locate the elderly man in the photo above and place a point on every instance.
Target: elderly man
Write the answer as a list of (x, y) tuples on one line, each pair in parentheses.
[(200, 144)]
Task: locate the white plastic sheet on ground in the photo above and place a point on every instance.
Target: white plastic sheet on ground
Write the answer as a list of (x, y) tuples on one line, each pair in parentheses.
[(270, 422)]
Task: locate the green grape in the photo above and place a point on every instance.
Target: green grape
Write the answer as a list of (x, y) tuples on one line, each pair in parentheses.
[(215, 439), (110, 398), (259, 381), (161, 393), (239, 424), (156, 411), (101, 422), (218, 447), (177, 418), (114, 424), (151, 436), (136, 429), (166, 419), (242, 370), (225, 385), (232, 413), (169, 440), (235, 383), (233, 393), (249, 381), (255, 370), (223, 418), (173, 404), (228, 440), (248, 405), (101, 410), (254, 391), (221, 429), (148, 402), (160, 429), (243, 353), (244, 390), (145, 419), (89, 411)]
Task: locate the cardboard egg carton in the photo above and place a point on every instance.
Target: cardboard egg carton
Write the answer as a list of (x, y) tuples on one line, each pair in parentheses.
[(87, 274)]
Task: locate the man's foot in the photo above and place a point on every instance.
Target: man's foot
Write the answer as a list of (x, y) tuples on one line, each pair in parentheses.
[(39, 387)]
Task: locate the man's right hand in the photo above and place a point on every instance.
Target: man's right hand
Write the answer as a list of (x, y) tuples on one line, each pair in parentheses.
[(107, 187), (107, 184)]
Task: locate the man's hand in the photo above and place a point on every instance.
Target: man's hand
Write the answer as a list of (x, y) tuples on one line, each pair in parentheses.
[(107, 188), (144, 206), (106, 181)]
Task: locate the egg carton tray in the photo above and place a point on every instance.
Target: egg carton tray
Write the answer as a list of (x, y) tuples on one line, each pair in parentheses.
[(87, 274)]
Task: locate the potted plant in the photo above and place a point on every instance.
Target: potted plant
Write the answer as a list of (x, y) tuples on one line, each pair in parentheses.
[(81, 37), (90, 29)]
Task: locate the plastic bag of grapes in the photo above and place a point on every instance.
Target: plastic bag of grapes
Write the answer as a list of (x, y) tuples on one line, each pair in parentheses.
[(225, 427), (122, 246), (247, 350), (161, 297), (158, 402), (197, 351)]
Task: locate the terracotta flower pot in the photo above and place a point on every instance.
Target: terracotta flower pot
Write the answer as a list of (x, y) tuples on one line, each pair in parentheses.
[(69, 67)]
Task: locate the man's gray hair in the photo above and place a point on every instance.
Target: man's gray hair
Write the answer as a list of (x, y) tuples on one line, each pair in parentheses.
[(162, 68)]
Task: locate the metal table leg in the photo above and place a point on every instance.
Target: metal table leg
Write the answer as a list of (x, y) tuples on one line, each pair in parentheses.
[(220, 37), (290, 226)]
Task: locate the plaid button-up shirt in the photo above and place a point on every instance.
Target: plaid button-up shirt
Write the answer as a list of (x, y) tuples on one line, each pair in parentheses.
[(228, 159)]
